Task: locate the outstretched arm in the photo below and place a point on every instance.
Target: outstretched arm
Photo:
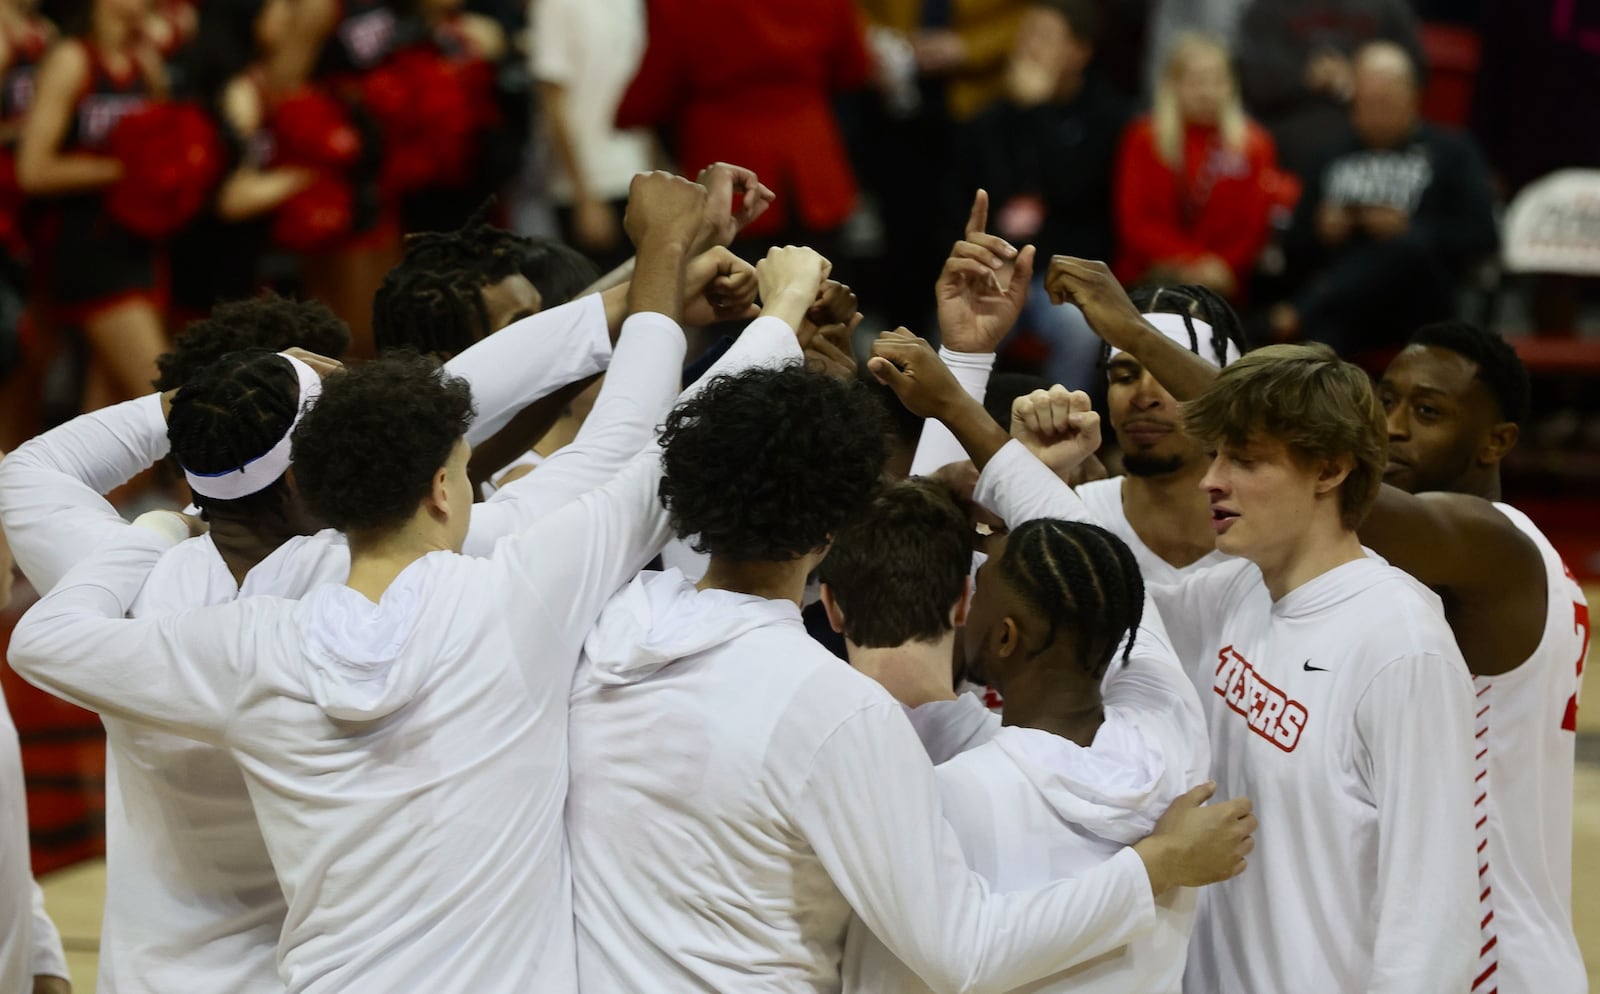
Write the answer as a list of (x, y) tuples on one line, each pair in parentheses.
[(1461, 546)]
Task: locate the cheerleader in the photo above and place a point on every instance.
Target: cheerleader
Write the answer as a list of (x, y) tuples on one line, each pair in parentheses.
[(24, 37), (218, 257), (336, 43), (97, 276)]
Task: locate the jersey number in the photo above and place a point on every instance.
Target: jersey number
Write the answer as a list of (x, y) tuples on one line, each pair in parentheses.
[(1580, 622)]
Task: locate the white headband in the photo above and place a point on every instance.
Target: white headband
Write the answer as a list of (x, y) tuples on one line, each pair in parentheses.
[(260, 472), (1173, 327)]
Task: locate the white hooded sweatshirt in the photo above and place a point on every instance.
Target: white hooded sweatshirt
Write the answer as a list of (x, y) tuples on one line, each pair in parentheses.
[(737, 792), (1030, 807)]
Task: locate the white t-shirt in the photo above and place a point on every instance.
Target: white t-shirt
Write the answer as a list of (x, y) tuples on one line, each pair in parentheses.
[(592, 48), (1526, 734), (1030, 807), (1343, 711), (1104, 500), (737, 792)]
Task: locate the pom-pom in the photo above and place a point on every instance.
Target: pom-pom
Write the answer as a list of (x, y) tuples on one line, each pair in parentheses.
[(172, 159), (317, 217)]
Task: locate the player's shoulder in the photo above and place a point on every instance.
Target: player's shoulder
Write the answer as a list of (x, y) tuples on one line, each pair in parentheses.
[(1396, 614), (1101, 493)]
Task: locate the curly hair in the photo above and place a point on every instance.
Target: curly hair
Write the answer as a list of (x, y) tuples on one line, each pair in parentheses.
[(230, 412), (268, 322), (1499, 367), (1078, 576), (366, 453), (765, 466), (896, 570)]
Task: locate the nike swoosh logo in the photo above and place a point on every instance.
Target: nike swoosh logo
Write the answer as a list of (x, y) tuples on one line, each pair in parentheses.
[(1319, 669)]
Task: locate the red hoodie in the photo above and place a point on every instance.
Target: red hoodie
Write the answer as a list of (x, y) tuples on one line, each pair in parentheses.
[(1219, 205)]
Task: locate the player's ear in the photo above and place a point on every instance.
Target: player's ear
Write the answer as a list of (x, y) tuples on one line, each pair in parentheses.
[(831, 606), (963, 604), (1498, 443), (1007, 637)]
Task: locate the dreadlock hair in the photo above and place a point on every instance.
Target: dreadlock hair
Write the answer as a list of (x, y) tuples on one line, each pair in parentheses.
[(1078, 576), (269, 322), (431, 302), (366, 453), (766, 465), (435, 312), (1499, 367), (230, 412), (1192, 300), (558, 271)]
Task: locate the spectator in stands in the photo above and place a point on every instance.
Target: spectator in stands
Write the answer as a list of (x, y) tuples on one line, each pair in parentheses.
[(1195, 178), (585, 52), (753, 83), (1388, 225), (939, 62), (1045, 152), (1296, 66)]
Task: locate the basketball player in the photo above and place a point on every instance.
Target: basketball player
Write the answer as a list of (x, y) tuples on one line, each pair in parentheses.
[(645, 382), (1362, 881), (737, 793), (1158, 508), (378, 723), (1456, 397), (1076, 775)]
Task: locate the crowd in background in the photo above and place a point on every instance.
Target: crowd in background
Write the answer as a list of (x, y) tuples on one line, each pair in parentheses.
[(162, 156)]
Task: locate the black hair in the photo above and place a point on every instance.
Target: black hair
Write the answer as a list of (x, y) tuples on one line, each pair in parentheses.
[(1192, 300), (766, 465), (269, 322), (1499, 367), (1004, 389), (432, 301), (559, 272), (440, 313), (1078, 575), (366, 453), (898, 569), (1082, 16), (229, 413)]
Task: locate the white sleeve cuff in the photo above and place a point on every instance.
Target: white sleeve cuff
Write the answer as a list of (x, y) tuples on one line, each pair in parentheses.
[(971, 370)]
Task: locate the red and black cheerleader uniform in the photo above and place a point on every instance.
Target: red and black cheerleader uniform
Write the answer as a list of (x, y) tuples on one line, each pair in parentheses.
[(25, 47), (88, 262), (362, 39)]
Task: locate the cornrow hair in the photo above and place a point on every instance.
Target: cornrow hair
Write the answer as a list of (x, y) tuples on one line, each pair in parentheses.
[(439, 313), (490, 254), (1079, 576), (229, 413), (1190, 301)]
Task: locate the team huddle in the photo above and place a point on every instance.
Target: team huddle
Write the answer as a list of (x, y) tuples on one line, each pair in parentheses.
[(1289, 707)]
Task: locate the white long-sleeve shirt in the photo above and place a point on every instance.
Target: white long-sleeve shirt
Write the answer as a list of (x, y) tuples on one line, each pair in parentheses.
[(406, 758), (738, 792), (190, 888), (1344, 712), (1030, 807)]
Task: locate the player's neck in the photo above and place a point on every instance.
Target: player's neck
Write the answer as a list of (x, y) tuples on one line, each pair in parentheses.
[(1071, 709), (915, 673), (1171, 514), (243, 545), (781, 581), (1325, 545), (376, 561), (1480, 483)]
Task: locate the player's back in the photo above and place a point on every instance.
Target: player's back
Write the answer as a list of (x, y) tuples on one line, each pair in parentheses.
[(1526, 736)]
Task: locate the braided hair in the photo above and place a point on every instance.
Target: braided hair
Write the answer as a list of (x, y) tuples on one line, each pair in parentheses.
[(431, 302), (231, 412), (1078, 576), (1190, 301)]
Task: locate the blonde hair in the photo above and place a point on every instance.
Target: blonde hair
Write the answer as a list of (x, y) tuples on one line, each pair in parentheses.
[(1306, 397), (1166, 120)]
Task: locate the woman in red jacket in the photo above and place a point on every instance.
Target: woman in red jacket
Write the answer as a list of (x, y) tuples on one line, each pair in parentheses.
[(1196, 179)]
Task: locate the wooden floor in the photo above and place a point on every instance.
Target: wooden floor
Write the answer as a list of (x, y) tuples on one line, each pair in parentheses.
[(74, 895)]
